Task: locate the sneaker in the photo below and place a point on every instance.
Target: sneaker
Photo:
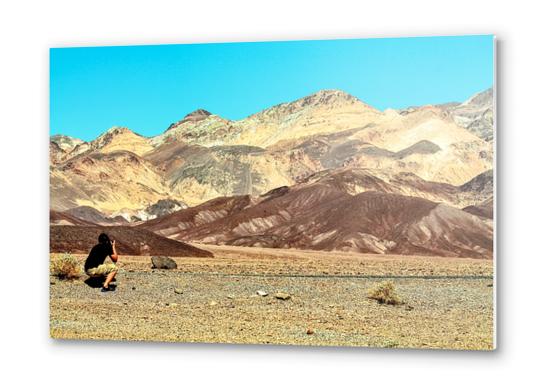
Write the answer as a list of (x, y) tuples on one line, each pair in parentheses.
[(104, 289)]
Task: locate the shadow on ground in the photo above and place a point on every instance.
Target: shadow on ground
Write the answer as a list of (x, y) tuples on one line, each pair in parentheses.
[(96, 282)]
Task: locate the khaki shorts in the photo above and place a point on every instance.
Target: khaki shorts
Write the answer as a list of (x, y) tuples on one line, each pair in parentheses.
[(102, 270)]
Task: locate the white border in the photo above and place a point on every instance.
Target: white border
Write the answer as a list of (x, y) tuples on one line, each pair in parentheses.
[(29, 29)]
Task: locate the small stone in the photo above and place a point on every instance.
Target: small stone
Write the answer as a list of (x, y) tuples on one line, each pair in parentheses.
[(163, 262), (310, 331), (409, 308), (173, 305), (283, 296), (133, 288), (177, 291), (213, 303), (262, 293), (52, 283), (231, 297)]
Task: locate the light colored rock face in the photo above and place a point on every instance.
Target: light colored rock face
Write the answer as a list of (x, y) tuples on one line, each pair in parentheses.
[(108, 182), (66, 143), (476, 114), (204, 156), (329, 121), (322, 112), (61, 147), (121, 139)]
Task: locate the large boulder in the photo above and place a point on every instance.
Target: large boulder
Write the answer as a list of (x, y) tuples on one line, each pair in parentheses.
[(163, 262)]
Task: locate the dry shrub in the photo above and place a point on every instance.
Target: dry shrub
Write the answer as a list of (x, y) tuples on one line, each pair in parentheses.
[(385, 293), (65, 266)]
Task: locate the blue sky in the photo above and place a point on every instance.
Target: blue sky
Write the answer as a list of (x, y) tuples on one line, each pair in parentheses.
[(146, 88)]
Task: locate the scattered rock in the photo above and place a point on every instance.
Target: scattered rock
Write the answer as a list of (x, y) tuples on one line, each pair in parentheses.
[(310, 331), (173, 304), (163, 262), (409, 308), (213, 303), (231, 297), (177, 291), (133, 288), (282, 296), (490, 285), (262, 293)]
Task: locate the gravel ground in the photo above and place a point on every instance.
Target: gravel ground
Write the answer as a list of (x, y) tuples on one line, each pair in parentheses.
[(212, 301)]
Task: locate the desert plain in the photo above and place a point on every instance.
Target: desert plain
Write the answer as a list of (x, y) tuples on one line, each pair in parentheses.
[(232, 298)]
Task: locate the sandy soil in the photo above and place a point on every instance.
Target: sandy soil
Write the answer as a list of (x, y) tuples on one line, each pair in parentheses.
[(448, 302)]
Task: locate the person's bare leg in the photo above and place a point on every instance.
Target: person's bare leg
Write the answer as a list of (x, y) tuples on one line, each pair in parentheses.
[(109, 278)]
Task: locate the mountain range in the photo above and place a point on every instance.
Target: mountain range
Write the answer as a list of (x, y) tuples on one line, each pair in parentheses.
[(325, 172)]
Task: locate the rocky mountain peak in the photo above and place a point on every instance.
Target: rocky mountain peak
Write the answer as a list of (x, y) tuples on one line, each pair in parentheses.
[(481, 99), (327, 97), (110, 135), (117, 130), (198, 114), (193, 117)]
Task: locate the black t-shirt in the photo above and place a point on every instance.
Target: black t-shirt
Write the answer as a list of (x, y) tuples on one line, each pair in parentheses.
[(97, 255)]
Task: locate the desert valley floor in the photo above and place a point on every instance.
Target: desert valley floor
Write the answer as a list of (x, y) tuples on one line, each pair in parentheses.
[(448, 302)]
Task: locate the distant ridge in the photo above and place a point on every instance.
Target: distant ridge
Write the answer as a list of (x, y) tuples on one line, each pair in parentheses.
[(322, 215), (329, 138)]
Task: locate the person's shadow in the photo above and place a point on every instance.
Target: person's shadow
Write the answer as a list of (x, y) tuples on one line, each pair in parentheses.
[(96, 282)]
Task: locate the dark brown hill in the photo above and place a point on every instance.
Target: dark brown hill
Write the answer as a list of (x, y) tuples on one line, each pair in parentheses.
[(374, 222), (484, 209), (274, 211), (211, 211), (321, 216), (130, 241)]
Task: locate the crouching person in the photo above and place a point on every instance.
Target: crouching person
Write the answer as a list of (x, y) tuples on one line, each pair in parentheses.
[(95, 265)]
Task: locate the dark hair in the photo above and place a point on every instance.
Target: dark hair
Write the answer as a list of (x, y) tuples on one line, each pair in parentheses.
[(103, 239)]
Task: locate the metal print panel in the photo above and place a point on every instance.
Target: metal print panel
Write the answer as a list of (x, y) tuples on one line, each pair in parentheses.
[(329, 193)]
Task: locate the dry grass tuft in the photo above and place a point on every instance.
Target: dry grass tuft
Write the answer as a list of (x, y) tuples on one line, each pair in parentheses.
[(65, 267), (385, 293)]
